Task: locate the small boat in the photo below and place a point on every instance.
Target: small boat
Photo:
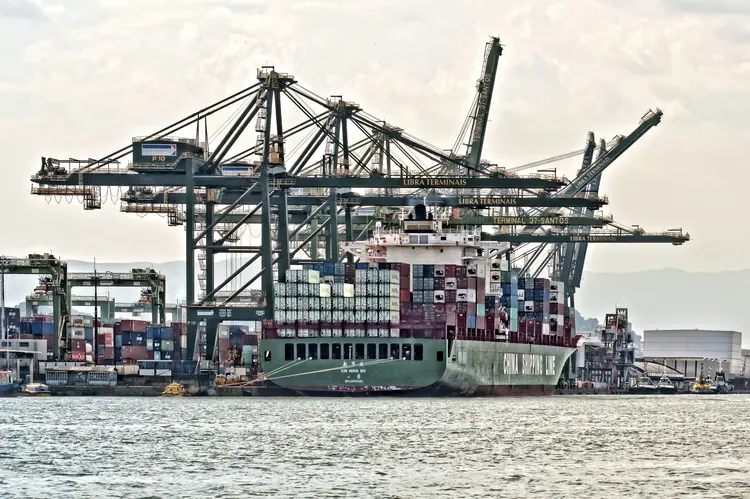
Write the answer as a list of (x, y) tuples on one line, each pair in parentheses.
[(36, 390), (643, 386), (702, 385), (174, 389), (665, 385), (720, 383), (9, 383)]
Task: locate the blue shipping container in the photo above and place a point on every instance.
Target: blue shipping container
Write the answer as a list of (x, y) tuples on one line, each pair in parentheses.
[(166, 333), (152, 332), (48, 329), (26, 328), (133, 339), (88, 333), (471, 321), (36, 327), (118, 340)]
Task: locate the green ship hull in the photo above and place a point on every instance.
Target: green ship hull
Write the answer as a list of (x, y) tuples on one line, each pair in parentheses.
[(416, 366)]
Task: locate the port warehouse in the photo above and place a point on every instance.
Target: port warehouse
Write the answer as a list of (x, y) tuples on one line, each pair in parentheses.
[(689, 350)]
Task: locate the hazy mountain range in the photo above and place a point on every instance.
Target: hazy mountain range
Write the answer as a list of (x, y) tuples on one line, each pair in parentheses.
[(667, 298)]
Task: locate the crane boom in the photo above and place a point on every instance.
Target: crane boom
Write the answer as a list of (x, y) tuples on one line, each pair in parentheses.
[(485, 86)]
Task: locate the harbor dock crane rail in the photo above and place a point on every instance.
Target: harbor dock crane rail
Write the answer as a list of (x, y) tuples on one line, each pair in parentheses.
[(300, 189)]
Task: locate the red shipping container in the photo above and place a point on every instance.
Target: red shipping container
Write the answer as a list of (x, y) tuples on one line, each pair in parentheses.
[(405, 270), (134, 353), (78, 345), (405, 296), (450, 271), (133, 326), (77, 356), (471, 283), (405, 282), (108, 353)]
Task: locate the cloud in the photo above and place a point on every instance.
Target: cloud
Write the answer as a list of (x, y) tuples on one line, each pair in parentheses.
[(21, 9), (112, 69)]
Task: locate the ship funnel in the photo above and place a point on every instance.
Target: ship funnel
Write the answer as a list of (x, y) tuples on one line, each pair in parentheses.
[(420, 212)]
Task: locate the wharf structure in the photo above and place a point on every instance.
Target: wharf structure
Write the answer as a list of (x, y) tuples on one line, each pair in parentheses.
[(319, 171)]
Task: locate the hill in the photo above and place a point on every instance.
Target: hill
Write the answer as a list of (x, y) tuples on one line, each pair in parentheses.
[(667, 298)]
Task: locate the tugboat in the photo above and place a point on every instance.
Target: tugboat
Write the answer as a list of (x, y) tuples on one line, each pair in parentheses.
[(720, 383), (665, 386), (174, 389), (643, 386), (702, 385), (9, 383)]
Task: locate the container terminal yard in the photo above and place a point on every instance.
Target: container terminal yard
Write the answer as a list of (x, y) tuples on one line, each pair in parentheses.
[(376, 248)]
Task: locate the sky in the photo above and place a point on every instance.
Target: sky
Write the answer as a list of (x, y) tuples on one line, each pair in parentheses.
[(80, 79)]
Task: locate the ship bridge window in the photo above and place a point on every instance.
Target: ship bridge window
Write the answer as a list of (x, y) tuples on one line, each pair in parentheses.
[(418, 351), (312, 351), (347, 351), (371, 351), (395, 351), (359, 351), (325, 351), (288, 351), (406, 351), (301, 354), (413, 239), (423, 239), (336, 351), (383, 351), (440, 356)]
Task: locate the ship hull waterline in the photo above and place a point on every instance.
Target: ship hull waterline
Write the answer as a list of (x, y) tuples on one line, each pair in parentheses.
[(474, 369)]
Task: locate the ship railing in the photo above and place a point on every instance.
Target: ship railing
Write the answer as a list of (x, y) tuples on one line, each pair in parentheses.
[(165, 138)]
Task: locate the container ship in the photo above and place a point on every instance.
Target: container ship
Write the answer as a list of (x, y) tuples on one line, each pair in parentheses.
[(424, 311)]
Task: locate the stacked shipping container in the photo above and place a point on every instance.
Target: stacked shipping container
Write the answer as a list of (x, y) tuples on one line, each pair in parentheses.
[(396, 299)]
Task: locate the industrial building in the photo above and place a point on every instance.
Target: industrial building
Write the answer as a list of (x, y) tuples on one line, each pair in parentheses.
[(690, 350)]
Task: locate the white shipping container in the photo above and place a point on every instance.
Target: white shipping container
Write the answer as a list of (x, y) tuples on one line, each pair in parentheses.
[(394, 304), (394, 277), (326, 316), (183, 341), (313, 316), (440, 270), (450, 283), (471, 295), (76, 320), (349, 315), (495, 276), (384, 316), (360, 316), (384, 276), (77, 333), (360, 276), (337, 332), (106, 330), (326, 332), (372, 333), (348, 290), (482, 270), (528, 306), (303, 333), (384, 303), (462, 295), (349, 303), (438, 296), (394, 290), (394, 317), (313, 276), (382, 332), (395, 333), (496, 288), (521, 294), (372, 316), (373, 289), (554, 297), (279, 289), (545, 328), (471, 270), (373, 276), (325, 291), (384, 290)]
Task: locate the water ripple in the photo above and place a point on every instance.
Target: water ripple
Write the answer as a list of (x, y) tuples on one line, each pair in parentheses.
[(680, 446)]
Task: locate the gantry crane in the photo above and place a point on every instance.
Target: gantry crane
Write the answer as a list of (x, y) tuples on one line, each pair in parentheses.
[(55, 283), (346, 149)]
